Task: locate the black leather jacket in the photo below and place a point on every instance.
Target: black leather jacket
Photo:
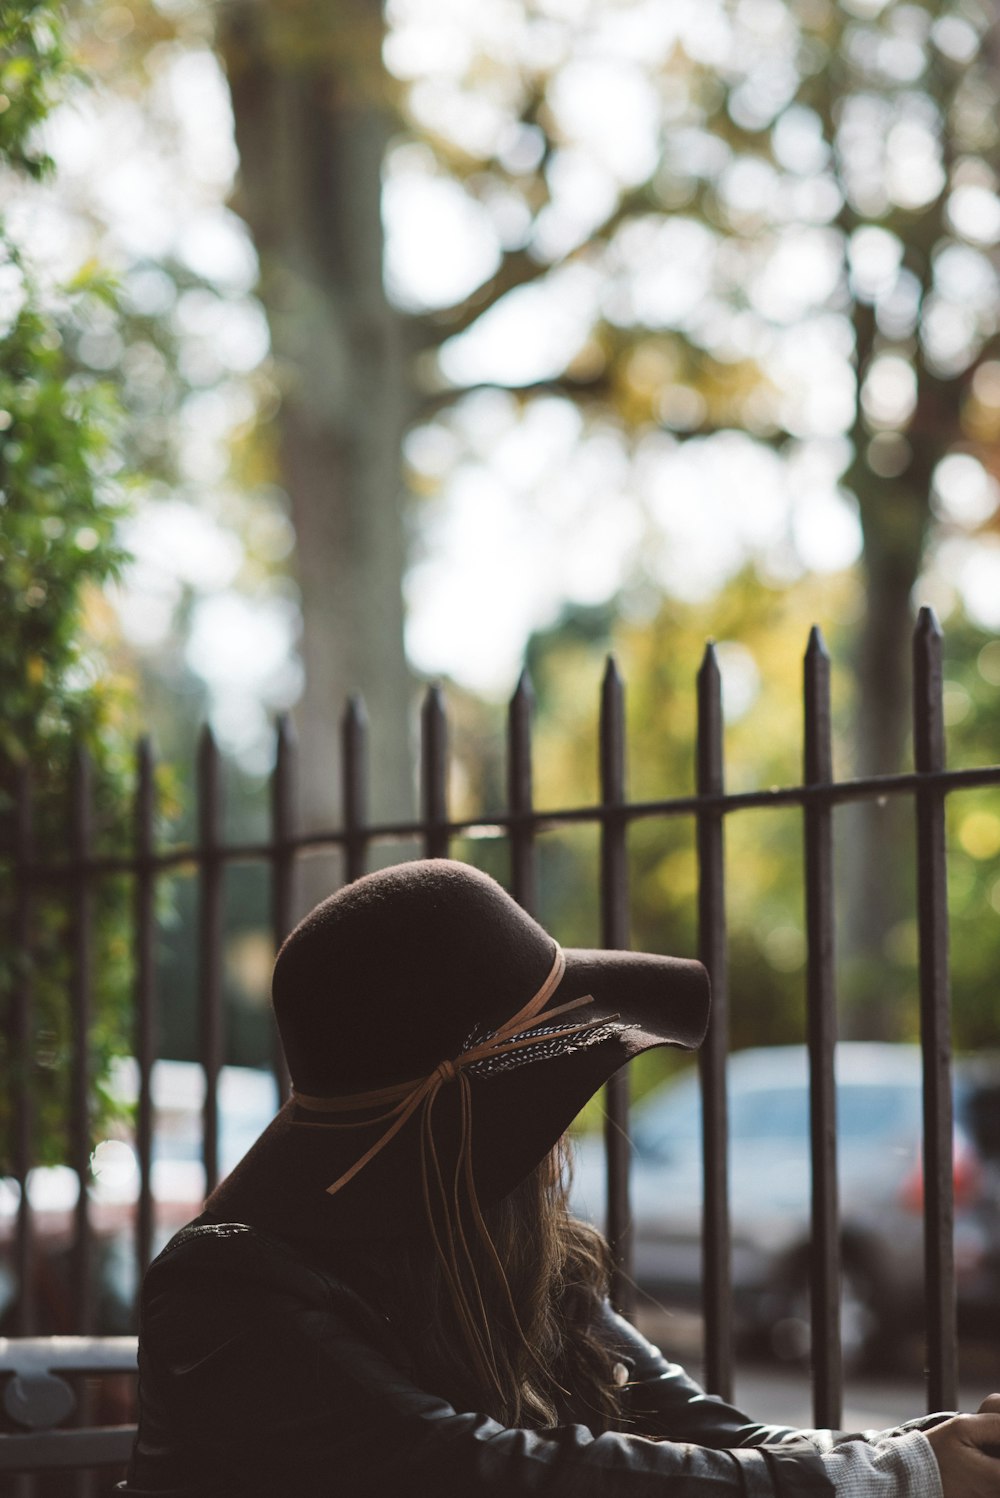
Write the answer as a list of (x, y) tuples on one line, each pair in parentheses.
[(263, 1376)]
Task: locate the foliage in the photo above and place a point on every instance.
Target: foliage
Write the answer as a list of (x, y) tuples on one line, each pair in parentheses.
[(762, 635), (796, 248), (770, 218), (816, 192), (33, 65), (61, 496), (805, 257), (756, 627)]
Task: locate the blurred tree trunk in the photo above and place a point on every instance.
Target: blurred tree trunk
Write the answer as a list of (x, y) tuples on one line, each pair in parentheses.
[(879, 837), (312, 122), (877, 863)]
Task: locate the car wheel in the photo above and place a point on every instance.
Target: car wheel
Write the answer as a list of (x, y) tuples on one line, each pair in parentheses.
[(860, 1321)]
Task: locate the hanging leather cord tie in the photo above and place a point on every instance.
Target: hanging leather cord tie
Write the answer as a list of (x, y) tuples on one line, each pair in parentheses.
[(401, 1101)]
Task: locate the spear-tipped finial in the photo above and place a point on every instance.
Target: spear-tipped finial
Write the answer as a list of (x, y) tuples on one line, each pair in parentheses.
[(524, 692), (817, 645), (927, 623), (709, 660)]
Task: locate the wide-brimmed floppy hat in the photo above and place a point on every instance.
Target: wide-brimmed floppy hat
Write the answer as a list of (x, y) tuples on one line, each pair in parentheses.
[(432, 1027)]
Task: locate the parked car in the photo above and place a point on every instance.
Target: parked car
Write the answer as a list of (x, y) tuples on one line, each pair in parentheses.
[(880, 1187), (248, 1100)]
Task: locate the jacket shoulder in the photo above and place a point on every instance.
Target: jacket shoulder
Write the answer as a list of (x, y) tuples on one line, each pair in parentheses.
[(239, 1253), (240, 1248), (231, 1270)]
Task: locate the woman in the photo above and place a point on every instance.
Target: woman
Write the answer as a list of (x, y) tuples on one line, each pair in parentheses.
[(388, 1294)]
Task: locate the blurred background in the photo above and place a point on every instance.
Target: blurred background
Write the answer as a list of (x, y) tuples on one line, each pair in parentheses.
[(346, 350)]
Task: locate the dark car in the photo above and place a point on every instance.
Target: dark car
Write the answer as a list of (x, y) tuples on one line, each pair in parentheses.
[(880, 1186)]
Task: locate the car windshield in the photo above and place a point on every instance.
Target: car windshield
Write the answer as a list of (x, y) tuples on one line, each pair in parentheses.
[(863, 1112), (756, 1114)]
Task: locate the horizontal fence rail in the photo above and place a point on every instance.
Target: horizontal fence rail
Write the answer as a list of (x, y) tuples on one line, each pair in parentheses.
[(520, 824)]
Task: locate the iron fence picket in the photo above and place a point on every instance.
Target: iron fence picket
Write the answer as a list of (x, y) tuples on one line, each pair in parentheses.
[(81, 918), (210, 937), (821, 1026), (144, 935), (614, 934), (434, 766), (935, 1019), (355, 787), (283, 788), (22, 1011), (520, 796), (717, 1295)]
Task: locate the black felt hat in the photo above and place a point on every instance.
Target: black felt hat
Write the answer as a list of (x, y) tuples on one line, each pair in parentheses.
[(408, 980)]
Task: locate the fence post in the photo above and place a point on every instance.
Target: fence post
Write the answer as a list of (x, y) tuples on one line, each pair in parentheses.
[(434, 767), (520, 795), (283, 788), (82, 897), (355, 785), (24, 1052), (145, 1016), (717, 1303), (935, 1018), (614, 933), (210, 944), (821, 1024)]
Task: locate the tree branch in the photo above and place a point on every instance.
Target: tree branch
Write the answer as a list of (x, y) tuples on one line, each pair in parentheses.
[(517, 268), (584, 393)]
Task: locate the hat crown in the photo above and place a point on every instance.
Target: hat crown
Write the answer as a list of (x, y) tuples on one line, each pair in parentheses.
[(391, 975)]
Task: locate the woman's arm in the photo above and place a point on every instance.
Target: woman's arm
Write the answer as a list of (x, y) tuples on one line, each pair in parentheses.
[(928, 1457)]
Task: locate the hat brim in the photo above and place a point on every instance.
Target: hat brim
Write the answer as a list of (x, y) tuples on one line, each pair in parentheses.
[(518, 1114)]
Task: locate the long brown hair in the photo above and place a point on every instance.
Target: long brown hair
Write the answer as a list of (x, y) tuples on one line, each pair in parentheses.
[(550, 1361)]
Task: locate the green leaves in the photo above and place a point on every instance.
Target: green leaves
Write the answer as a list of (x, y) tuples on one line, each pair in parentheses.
[(58, 512), (32, 67), (60, 502)]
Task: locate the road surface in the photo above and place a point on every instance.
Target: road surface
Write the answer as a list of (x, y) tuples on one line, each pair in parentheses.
[(781, 1394)]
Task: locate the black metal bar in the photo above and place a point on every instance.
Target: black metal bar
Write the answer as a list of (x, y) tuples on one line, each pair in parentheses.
[(23, 1321), (498, 824), (283, 779), (210, 946), (935, 1019), (520, 793), (82, 895), (145, 999), (614, 933), (434, 770), (355, 772), (22, 1017), (717, 1302), (821, 1015)]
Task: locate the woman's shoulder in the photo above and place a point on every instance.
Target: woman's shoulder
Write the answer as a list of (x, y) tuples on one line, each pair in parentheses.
[(239, 1266), (240, 1252)]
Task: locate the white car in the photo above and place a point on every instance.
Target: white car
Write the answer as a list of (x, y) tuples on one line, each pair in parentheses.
[(248, 1100)]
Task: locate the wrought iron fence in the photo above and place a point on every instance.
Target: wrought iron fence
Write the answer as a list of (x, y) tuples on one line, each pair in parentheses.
[(210, 854)]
